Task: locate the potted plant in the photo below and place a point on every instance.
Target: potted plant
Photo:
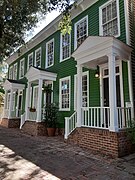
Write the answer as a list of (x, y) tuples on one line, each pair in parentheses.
[(32, 109), (50, 116)]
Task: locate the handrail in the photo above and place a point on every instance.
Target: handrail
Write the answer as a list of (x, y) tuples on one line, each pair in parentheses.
[(70, 124)]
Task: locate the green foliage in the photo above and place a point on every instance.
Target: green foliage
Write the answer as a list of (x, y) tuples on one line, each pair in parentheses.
[(19, 16), (50, 115), (2, 91), (131, 131)]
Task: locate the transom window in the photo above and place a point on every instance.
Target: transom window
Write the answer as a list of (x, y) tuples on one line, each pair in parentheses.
[(30, 60), (65, 94), (109, 19), (15, 71), (81, 31), (50, 53), (65, 46), (38, 58), (21, 68)]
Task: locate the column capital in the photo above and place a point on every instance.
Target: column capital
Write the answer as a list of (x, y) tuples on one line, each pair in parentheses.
[(111, 54)]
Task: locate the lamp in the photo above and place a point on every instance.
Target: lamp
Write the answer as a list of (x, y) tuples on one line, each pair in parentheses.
[(97, 72)]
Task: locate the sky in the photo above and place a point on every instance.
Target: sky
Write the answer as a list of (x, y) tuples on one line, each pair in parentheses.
[(49, 17)]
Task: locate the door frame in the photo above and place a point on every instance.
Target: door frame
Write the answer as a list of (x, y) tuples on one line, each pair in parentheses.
[(105, 66), (20, 93)]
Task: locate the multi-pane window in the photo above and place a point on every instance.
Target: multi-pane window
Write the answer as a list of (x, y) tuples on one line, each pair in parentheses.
[(84, 91), (50, 53), (11, 72), (15, 71), (38, 57), (35, 97), (21, 68), (65, 93), (65, 46), (30, 60), (81, 31), (109, 19)]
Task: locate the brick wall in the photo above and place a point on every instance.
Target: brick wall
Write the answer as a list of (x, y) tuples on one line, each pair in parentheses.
[(10, 123), (38, 129), (103, 141)]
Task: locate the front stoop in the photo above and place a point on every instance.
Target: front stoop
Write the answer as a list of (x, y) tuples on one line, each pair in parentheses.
[(10, 123), (114, 144), (38, 129)]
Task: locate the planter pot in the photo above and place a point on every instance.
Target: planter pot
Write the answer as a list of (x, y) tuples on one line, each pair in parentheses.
[(51, 131)]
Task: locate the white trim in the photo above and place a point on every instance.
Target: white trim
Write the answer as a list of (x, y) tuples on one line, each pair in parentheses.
[(35, 63), (100, 17), (126, 9), (61, 60), (46, 64), (75, 29), (20, 68), (121, 84), (60, 100), (31, 54)]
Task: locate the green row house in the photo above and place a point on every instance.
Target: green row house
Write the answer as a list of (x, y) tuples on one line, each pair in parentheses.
[(91, 72)]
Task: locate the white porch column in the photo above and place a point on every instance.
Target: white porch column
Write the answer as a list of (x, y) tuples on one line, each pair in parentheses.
[(79, 95), (10, 104), (5, 102), (112, 94), (39, 103), (27, 100), (130, 87)]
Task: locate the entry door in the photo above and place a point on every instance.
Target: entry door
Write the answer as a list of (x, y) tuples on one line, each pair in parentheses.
[(106, 91)]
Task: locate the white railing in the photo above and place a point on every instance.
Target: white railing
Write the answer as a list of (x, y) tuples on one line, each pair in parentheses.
[(32, 115), (70, 124), (124, 117), (97, 117), (22, 120)]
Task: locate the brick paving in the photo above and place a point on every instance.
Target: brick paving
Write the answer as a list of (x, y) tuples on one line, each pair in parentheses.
[(24, 157)]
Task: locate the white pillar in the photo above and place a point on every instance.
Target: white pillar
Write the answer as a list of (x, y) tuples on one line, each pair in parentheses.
[(112, 94), (5, 102), (130, 82), (27, 100), (39, 103), (10, 104), (79, 95)]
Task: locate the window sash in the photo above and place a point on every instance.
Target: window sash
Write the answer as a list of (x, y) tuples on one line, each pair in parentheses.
[(38, 58), (15, 71), (65, 46), (65, 93), (21, 68), (50, 53), (30, 60)]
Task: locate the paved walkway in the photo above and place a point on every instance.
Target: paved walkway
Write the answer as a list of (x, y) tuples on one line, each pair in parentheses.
[(23, 157)]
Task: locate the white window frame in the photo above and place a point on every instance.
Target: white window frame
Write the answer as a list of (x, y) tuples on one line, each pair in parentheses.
[(60, 99), (75, 30), (21, 75), (100, 17), (31, 54), (52, 40), (35, 63), (61, 48), (75, 89), (15, 77), (11, 72)]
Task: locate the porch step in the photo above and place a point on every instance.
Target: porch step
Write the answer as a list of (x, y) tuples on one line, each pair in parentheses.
[(10, 123)]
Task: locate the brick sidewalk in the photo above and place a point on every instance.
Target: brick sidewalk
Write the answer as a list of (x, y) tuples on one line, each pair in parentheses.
[(23, 157)]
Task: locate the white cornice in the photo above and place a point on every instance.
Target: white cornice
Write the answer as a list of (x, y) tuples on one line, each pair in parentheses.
[(50, 29)]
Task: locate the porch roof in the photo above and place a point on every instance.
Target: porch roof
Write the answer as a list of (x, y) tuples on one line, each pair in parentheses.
[(35, 74), (13, 84), (95, 49)]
